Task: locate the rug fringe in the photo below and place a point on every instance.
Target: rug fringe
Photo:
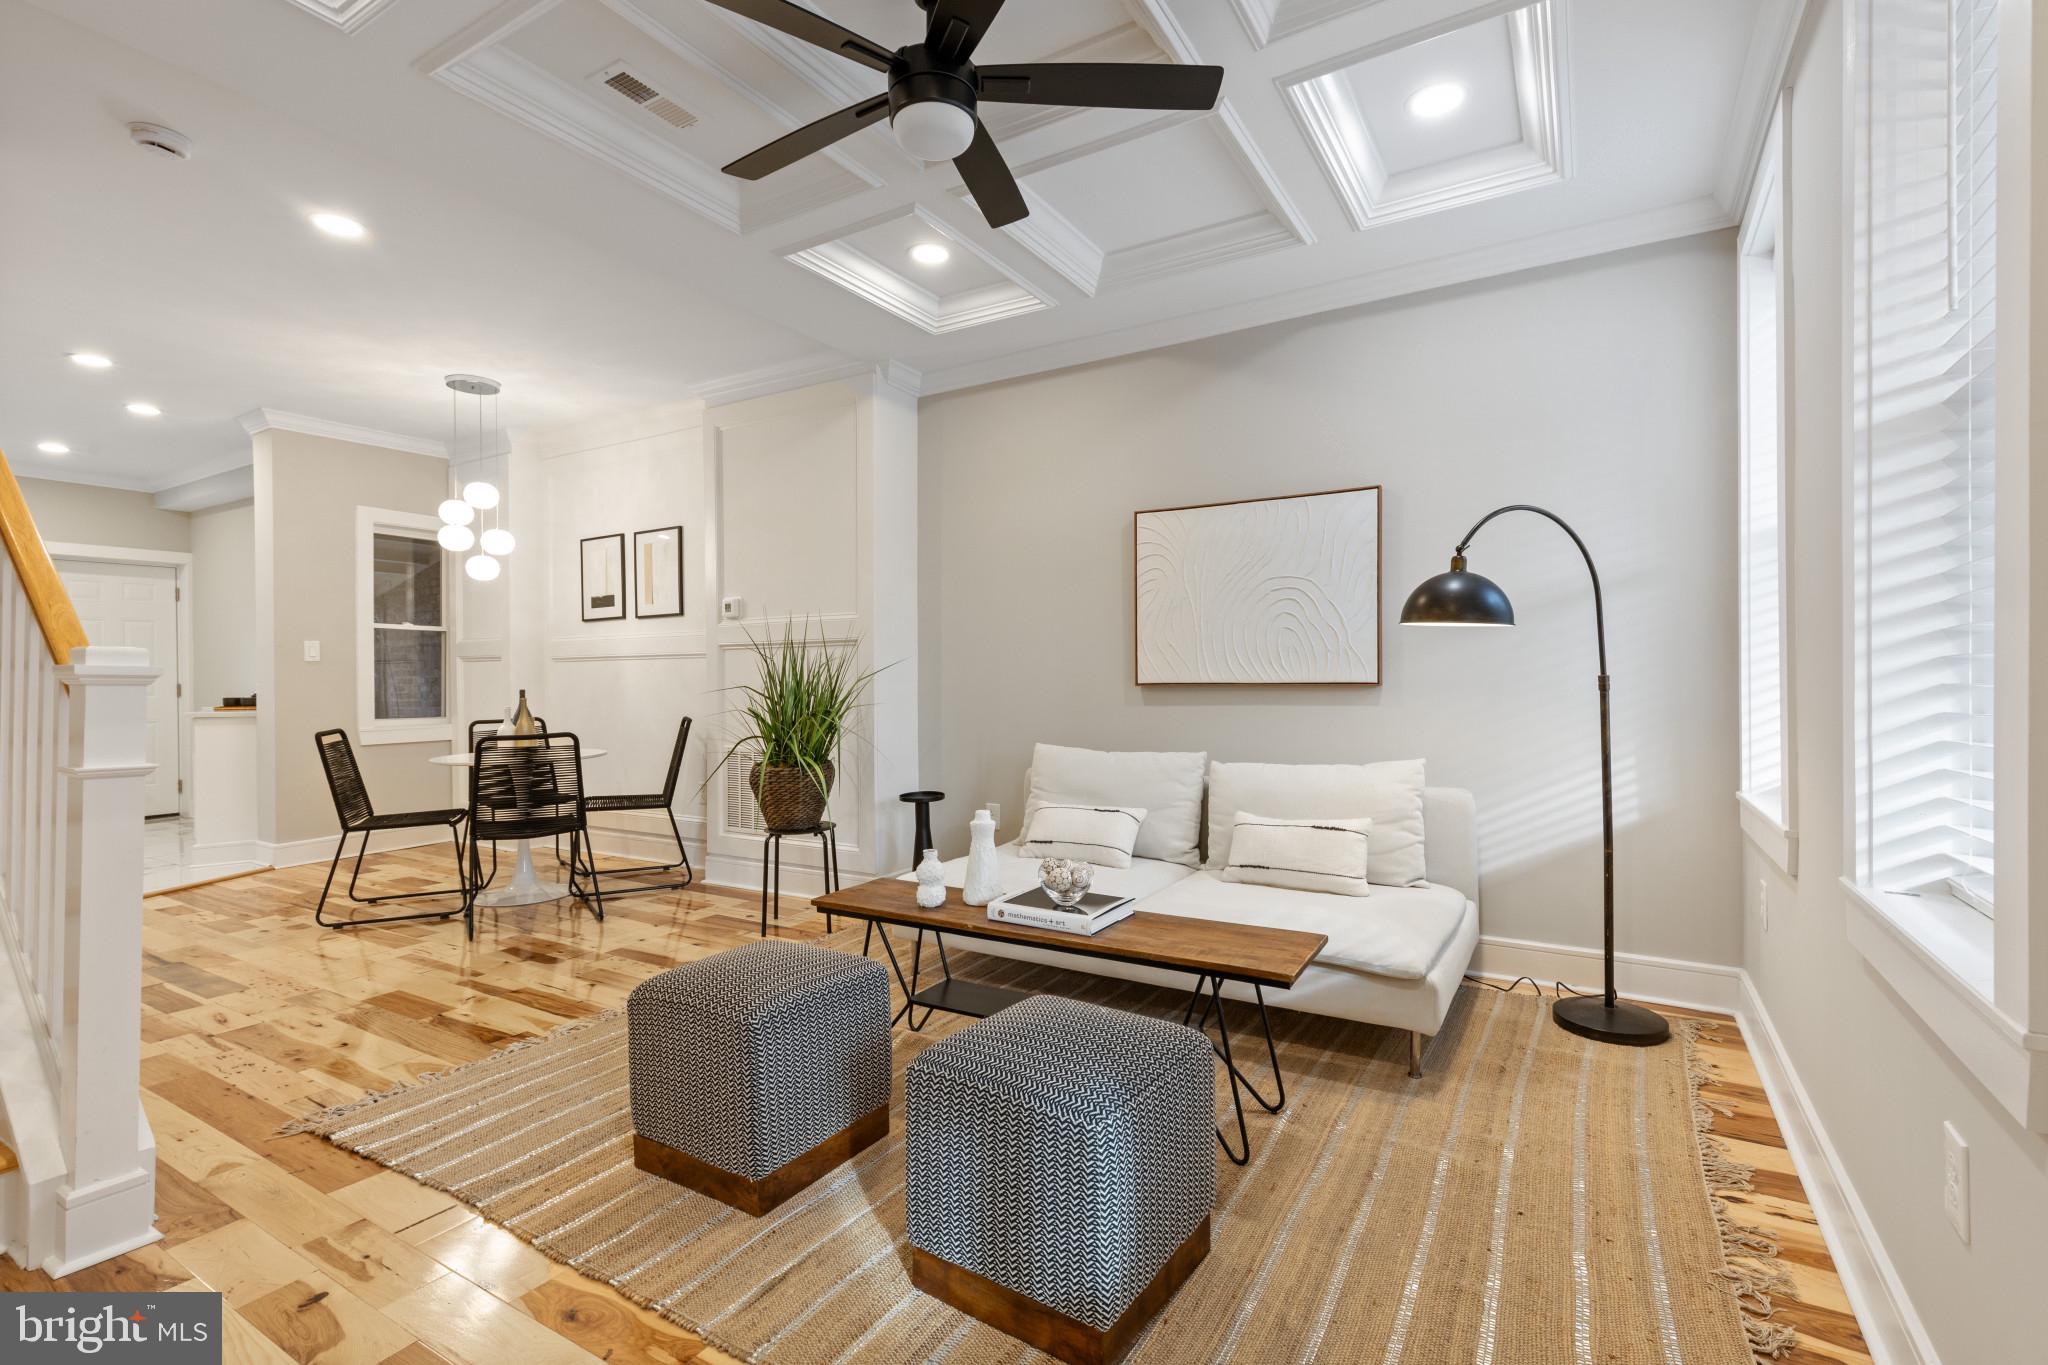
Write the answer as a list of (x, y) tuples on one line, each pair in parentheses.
[(323, 1122), (1751, 1270)]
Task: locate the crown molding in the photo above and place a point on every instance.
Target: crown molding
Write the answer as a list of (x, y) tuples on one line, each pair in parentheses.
[(346, 15), (800, 373), (1704, 214), (270, 419), (1771, 40)]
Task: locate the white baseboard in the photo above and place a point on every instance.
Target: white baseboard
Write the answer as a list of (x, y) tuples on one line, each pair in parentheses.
[(1657, 980), (1891, 1328), (299, 852)]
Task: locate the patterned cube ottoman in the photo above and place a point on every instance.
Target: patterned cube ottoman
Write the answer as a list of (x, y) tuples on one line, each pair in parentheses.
[(1062, 1166), (757, 1070)]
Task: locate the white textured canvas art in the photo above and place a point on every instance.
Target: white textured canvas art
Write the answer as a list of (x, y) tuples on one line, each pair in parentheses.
[(1281, 590)]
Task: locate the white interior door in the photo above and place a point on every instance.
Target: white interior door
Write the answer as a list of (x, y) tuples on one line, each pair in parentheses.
[(136, 605)]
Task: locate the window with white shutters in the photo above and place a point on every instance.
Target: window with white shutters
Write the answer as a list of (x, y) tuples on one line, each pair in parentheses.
[(1766, 725), (1924, 468)]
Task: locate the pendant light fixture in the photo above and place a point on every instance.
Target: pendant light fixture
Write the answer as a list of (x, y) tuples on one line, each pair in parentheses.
[(458, 515)]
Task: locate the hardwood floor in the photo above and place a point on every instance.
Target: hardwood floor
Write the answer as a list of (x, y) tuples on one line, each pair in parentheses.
[(252, 1015)]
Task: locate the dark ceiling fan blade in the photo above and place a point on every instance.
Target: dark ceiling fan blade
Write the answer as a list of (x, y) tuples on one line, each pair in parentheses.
[(957, 26), (989, 180), (1104, 85), (812, 137), (813, 28)]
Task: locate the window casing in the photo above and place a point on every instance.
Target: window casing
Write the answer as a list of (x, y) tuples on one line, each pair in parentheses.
[(1766, 721), (1923, 473), (403, 601)]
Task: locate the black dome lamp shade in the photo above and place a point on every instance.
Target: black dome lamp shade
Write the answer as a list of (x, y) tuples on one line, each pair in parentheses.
[(1463, 598), (1458, 598)]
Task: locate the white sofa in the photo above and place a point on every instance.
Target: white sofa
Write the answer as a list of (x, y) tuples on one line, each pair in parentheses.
[(1394, 958)]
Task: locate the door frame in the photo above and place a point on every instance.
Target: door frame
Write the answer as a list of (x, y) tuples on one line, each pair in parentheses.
[(181, 562)]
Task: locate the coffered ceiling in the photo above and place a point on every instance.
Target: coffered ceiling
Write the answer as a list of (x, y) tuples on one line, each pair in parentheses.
[(574, 147)]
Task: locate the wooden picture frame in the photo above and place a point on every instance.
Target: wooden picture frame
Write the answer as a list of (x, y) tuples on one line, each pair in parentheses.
[(658, 572), (1259, 592), (603, 579)]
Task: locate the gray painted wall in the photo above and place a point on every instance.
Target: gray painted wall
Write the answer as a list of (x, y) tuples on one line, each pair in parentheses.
[(86, 514), (1603, 389), (223, 603)]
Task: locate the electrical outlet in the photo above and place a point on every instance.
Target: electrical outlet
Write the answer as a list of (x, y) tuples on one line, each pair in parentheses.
[(1955, 1180), (995, 811), (1763, 901), (312, 651)]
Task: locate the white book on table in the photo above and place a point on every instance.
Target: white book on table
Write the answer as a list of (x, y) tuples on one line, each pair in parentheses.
[(1094, 912)]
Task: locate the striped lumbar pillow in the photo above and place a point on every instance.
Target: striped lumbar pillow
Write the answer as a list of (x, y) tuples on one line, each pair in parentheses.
[(1302, 855), (1103, 835)]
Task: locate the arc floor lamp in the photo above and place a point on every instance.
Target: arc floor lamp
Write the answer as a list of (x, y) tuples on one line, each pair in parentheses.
[(1463, 598)]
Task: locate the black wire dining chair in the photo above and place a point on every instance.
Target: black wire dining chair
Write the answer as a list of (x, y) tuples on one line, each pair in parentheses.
[(663, 801), (477, 730), (529, 787), (358, 815)]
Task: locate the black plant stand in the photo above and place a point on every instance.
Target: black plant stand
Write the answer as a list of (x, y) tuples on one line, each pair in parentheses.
[(826, 834)]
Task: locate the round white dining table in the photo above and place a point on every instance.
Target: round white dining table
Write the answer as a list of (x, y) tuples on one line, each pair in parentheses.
[(527, 888)]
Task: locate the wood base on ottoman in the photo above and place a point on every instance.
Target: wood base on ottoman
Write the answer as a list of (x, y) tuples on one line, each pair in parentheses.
[(759, 1196), (1051, 1332)]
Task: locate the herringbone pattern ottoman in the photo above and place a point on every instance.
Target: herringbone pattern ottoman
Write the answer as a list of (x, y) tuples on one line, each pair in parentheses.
[(1062, 1167), (757, 1070)]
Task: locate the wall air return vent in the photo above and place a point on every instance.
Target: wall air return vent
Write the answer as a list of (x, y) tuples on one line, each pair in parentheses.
[(742, 812), (620, 80)]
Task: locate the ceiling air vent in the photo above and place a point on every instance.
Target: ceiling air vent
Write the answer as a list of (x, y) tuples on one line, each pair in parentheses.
[(624, 82)]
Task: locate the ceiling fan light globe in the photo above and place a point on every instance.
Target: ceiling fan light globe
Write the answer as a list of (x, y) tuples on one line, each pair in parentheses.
[(480, 495), (496, 541), (456, 512), (455, 539), (480, 567), (933, 130)]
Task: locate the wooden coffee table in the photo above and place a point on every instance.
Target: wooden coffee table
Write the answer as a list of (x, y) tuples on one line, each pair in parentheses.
[(1213, 951)]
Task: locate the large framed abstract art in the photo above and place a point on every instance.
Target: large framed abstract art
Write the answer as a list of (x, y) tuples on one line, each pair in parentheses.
[(1267, 591)]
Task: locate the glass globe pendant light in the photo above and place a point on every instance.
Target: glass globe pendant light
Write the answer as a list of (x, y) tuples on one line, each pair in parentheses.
[(478, 495)]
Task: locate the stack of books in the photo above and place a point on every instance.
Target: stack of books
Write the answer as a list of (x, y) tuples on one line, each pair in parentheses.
[(1093, 913)]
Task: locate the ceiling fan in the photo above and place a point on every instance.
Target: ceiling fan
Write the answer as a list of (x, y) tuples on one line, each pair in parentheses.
[(934, 87)]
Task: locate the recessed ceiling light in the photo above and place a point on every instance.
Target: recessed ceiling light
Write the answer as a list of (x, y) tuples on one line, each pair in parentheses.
[(930, 253), (335, 225), (91, 360), (1434, 101), (53, 447), (145, 410)]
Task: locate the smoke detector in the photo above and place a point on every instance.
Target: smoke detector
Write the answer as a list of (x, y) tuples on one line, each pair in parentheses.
[(164, 141)]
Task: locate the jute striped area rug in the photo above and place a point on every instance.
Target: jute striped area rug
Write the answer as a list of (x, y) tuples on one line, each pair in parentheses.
[(1534, 1200)]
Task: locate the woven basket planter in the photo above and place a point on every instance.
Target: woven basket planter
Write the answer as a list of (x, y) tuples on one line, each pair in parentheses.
[(788, 798)]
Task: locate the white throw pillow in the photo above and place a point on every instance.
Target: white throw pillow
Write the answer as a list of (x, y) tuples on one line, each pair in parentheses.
[(1102, 835), (1320, 854), (1166, 786), (1388, 794)]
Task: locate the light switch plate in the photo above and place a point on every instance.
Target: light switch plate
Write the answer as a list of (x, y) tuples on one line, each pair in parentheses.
[(1955, 1180), (312, 651)]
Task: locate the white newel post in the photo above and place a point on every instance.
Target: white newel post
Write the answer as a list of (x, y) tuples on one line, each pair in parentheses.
[(109, 1206)]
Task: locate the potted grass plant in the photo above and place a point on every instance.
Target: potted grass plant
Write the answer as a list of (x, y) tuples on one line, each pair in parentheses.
[(793, 717)]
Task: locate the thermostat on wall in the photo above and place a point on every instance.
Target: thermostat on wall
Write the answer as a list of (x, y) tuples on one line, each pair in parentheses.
[(729, 609)]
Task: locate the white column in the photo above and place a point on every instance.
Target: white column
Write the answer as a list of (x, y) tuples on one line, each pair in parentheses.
[(886, 432), (108, 1206)]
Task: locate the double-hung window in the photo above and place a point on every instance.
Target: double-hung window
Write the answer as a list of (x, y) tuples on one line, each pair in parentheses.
[(402, 605), (1924, 473), (1766, 733)]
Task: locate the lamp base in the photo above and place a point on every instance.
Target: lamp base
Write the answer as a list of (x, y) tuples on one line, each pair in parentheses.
[(1590, 1016)]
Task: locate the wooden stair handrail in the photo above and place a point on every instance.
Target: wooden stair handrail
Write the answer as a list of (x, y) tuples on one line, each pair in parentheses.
[(46, 595)]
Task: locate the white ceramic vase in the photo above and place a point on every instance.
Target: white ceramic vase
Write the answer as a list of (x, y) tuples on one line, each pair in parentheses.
[(984, 882), (931, 881)]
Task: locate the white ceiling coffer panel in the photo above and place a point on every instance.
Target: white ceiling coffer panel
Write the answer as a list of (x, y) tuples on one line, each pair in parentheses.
[(967, 288), (1269, 20), (1176, 194), (346, 15), (1388, 162)]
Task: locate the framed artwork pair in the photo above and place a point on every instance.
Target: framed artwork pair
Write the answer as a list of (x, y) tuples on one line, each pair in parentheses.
[(657, 574)]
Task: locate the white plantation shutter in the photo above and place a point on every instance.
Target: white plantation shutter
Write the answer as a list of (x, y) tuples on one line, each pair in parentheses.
[(1924, 470), (1765, 764)]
